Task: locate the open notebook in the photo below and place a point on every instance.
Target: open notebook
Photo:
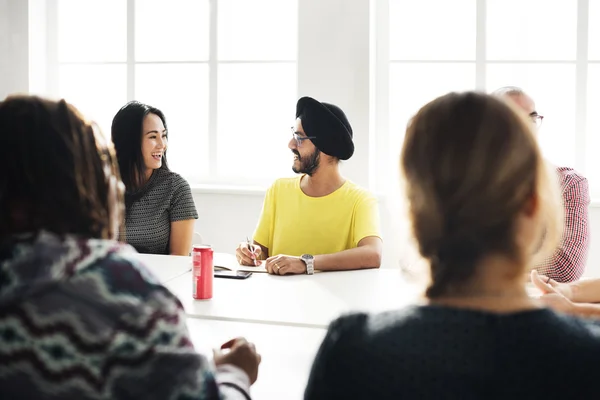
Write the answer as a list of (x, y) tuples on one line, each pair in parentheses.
[(228, 262)]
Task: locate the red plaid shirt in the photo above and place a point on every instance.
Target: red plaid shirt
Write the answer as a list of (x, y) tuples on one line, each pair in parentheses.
[(568, 262)]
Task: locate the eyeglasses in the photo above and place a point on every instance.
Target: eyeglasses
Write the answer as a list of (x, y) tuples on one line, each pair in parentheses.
[(299, 139), (537, 119)]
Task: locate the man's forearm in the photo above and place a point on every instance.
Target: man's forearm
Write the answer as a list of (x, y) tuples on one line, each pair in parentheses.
[(586, 310), (357, 258), (586, 291)]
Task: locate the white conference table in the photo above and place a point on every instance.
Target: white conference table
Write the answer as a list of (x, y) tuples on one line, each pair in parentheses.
[(292, 300), (287, 349), (285, 316), (296, 300), (165, 267), (287, 353)]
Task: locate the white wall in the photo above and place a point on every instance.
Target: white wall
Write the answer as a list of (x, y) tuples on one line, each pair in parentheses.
[(14, 57)]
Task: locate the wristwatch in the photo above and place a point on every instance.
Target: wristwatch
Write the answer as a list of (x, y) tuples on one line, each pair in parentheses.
[(309, 260)]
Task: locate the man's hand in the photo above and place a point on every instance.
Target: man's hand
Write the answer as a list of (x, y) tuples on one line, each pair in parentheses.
[(555, 295), (242, 354), (559, 303), (284, 265), (248, 257), (547, 285)]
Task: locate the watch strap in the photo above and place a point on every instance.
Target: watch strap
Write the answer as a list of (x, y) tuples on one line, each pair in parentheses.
[(310, 263)]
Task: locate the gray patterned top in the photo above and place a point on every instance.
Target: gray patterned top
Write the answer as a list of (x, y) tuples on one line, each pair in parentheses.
[(165, 198)]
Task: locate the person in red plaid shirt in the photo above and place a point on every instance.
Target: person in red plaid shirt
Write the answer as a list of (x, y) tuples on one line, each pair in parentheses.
[(567, 264)]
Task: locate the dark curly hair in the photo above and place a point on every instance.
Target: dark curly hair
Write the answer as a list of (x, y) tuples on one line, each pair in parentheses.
[(59, 172)]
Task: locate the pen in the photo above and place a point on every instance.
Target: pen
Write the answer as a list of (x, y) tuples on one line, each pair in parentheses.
[(251, 249), (249, 245)]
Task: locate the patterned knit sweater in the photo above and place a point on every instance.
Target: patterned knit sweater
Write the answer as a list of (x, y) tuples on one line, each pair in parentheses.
[(83, 319)]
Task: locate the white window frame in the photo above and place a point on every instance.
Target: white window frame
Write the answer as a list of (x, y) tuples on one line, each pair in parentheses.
[(331, 68), (581, 62), (53, 78)]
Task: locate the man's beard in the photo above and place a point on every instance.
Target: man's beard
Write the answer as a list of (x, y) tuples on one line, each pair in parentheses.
[(308, 164)]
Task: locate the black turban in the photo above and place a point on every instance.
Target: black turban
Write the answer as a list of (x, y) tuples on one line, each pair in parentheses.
[(328, 124)]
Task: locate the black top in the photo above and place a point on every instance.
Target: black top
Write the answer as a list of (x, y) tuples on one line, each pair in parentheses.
[(434, 352)]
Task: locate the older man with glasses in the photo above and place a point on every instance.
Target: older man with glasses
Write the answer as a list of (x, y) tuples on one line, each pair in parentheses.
[(319, 219), (568, 262)]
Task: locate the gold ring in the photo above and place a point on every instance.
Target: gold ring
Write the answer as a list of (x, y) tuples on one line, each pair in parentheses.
[(278, 267)]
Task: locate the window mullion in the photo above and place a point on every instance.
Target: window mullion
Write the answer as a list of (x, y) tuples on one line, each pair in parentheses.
[(379, 155), (480, 45), (212, 91), (130, 50), (53, 72), (581, 79)]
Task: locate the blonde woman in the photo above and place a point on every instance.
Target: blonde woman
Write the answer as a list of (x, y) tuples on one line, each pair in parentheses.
[(480, 201)]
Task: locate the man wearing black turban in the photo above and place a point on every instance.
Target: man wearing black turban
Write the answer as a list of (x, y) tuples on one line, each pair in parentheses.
[(319, 220)]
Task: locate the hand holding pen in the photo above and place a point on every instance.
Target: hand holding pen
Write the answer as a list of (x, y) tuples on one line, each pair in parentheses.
[(248, 253)]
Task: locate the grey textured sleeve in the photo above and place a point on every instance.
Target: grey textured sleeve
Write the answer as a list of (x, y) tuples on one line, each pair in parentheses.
[(182, 202)]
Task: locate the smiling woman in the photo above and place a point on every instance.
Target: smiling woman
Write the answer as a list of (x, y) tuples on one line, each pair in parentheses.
[(160, 210)]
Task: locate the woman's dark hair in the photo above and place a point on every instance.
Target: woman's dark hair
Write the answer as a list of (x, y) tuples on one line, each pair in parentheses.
[(58, 172), (126, 131), (472, 164)]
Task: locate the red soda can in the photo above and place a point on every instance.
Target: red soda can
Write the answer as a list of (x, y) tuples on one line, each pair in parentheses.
[(202, 272)]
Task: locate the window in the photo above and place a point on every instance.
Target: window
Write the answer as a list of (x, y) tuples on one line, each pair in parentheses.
[(531, 30), (436, 46), (592, 139), (92, 60), (222, 71), (180, 90), (257, 87), (594, 38), (225, 72), (420, 69), (593, 125), (412, 85), (410, 20), (555, 101)]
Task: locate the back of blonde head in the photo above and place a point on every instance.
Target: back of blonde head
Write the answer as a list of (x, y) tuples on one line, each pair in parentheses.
[(471, 164)]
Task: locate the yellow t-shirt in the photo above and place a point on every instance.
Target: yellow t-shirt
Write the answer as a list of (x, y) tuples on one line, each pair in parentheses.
[(293, 223)]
